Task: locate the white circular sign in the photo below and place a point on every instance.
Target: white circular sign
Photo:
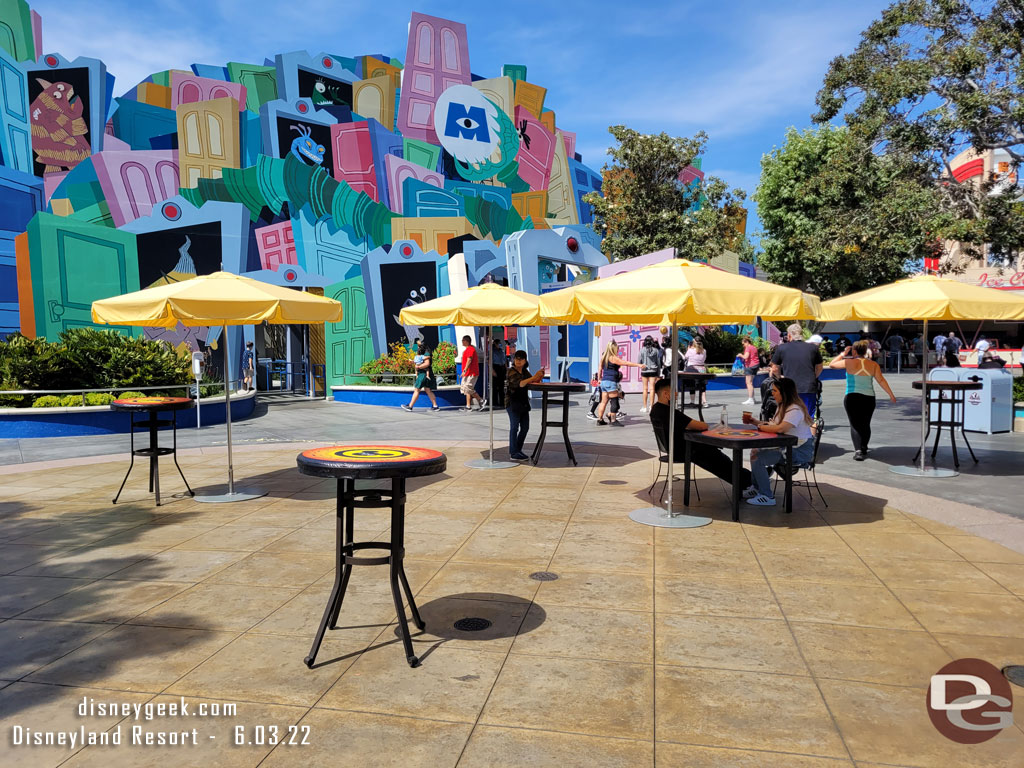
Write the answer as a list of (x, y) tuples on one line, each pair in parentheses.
[(466, 123)]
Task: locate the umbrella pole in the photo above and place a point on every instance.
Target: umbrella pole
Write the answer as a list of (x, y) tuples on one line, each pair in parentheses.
[(242, 494), (924, 395), (921, 470), (489, 462), (227, 411), (490, 400), (656, 516), (672, 422)]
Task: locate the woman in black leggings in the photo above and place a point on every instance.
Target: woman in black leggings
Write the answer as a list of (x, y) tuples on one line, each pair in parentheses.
[(861, 373)]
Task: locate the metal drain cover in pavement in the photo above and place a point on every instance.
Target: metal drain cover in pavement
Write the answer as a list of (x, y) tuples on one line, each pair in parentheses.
[(472, 624), (544, 576), (1015, 674)]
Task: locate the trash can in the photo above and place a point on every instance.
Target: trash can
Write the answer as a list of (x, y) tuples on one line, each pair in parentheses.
[(989, 409), (943, 373)]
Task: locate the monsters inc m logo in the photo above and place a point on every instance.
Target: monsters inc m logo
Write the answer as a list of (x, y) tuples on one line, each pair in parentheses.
[(467, 123), (469, 126)]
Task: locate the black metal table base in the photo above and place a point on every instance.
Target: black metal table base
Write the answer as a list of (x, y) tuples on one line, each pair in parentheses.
[(348, 499), (957, 401), (737, 466), (545, 423), (154, 452)]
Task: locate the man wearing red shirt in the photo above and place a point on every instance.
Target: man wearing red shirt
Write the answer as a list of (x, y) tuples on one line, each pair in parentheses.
[(470, 373)]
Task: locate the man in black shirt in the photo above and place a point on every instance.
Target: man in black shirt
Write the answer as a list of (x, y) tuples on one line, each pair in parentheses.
[(704, 456), (801, 362)]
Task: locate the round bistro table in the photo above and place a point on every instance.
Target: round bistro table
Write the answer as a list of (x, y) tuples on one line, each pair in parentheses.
[(547, 388), (152, 407), (349, 463)]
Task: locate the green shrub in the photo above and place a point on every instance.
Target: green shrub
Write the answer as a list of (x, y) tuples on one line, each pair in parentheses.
[(88, 358), (130, 393), (46, 401), (99, 398), (71, 401), (1018, 389)]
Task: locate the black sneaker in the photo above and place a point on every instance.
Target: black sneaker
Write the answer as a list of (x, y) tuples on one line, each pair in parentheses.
[(406, 407), (602, 423), (435, 408)]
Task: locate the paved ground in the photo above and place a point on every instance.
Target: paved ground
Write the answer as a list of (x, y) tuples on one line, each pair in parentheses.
[(994, 483), (800, 640)]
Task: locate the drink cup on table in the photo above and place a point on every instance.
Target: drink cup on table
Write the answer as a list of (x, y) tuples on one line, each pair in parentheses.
[(748, 417)]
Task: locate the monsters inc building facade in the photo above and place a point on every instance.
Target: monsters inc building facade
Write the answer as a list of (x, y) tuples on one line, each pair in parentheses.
[(376, 181)]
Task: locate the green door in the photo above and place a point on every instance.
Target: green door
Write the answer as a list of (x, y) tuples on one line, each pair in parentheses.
[(75, 263), (348, 342)]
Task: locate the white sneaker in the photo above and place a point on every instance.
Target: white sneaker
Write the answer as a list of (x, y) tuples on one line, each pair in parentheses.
[(643, 410), (748, 401), (762, 501), (750, 492)]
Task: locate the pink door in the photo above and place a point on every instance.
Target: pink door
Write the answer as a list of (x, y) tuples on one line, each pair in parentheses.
[(134, 182), (536, 157), (187, 88), (276, 245), (437, 57), (352, 149)]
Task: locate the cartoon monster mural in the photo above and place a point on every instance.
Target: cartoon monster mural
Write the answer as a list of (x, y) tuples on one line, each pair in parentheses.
[(413, 332), (58, 127), (326, 94), (272, 182), (305, 148)]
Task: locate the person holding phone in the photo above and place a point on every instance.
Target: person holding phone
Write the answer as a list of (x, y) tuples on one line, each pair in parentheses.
[(517, 403)]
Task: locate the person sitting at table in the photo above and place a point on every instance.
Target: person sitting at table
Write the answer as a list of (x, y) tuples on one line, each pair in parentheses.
[(791, 418), (704, 456)]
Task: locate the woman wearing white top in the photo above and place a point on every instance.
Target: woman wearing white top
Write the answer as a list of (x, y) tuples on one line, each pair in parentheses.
[(791, 418)]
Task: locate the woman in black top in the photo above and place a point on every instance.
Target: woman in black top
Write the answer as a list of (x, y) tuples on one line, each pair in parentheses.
[(517, 403)]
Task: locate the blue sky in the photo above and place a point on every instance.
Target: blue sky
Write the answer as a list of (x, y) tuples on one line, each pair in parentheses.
[(741, 70)]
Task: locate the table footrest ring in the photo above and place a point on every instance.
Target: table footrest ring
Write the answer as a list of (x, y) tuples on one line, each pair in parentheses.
[(153, 451), (348, 549)]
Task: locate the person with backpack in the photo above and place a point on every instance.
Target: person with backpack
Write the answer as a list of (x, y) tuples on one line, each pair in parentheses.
[(651, 360), (952, 348)]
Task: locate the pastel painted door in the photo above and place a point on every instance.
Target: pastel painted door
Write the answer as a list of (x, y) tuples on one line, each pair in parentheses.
[(535, 156), (437, 57), (561, 197), (207, 139), (347, 341), (276, 245), (375, 98), (74, 264), (15, 138), (260, 83), (187, 88), (134, 182), (352, 152)]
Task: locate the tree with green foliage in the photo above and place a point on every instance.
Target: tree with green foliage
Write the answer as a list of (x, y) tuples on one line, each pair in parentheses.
[(644, 207), (930, 79), (839, 217)]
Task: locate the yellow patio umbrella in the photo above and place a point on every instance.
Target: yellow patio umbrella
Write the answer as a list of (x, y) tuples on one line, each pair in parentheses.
[(220, 299), (676, 292), (925, 297), (487, 305), (681, 292)]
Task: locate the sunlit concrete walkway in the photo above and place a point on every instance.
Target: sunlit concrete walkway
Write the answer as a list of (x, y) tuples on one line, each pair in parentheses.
[(799, 640)]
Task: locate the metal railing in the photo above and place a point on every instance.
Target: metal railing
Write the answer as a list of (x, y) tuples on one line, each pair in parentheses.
[(190, 388)]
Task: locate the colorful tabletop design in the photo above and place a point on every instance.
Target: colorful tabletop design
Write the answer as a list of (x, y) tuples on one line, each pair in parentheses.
[(365, 461), (152, 400), (752, 433)]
